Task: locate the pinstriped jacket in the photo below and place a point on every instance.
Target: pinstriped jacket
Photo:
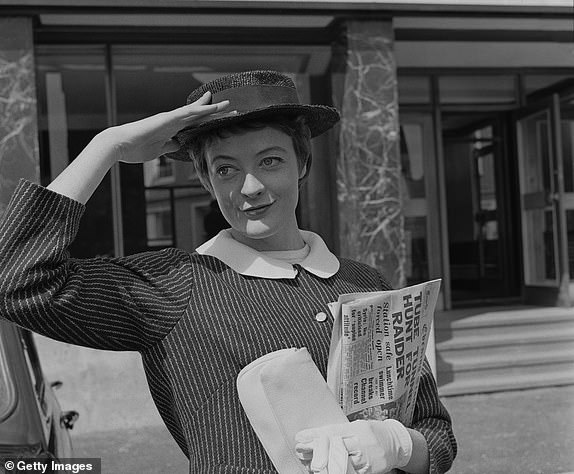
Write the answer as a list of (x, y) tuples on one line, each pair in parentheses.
[(195, 321)]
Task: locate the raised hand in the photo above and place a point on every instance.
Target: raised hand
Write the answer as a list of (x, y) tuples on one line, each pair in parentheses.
[(146, 139), (133, 142)]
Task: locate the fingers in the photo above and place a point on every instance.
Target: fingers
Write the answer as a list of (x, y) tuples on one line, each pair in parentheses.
[(202, 106), (320, 460), (205, 99), (338, 456), (308, 435), (304, 450), (328, 455), (180, 118), (343, 430)]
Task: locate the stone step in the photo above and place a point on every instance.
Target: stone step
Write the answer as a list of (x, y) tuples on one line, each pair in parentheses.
[(485, 331), (479, 374), (542, 335), (505, 382), (497, 349), (519, 356), (502, 322), (501, 316), (501, 351)]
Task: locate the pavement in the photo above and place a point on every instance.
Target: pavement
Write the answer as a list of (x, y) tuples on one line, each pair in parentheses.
[(514, 432)]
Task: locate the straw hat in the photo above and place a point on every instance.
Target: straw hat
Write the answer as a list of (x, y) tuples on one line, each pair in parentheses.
[(253, 95)]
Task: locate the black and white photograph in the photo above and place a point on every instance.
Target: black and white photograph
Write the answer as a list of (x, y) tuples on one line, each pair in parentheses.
[(287, 236)]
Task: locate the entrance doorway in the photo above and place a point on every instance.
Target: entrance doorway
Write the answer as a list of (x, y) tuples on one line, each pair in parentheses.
[(545, 138), (480, 229)]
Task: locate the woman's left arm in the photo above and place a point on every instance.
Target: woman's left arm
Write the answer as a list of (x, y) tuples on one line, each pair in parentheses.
[(431, 426)]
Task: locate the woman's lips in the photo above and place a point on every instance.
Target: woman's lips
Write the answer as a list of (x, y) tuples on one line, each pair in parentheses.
[(257, 211)]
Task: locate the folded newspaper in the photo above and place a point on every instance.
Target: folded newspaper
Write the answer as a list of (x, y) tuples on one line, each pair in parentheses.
[(378, 349)]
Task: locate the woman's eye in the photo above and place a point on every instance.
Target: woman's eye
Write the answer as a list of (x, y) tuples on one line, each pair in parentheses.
[(224, 170), (270, 160)]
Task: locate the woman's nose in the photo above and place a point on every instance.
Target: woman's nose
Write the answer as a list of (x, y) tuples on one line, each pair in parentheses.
[(251, 186)]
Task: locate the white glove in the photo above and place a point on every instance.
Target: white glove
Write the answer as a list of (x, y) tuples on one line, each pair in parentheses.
[(373, 447)]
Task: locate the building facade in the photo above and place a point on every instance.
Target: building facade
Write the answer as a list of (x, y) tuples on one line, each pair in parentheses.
[(454, 157)]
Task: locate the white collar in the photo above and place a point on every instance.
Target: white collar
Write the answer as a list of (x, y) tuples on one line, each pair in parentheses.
[(249, 262)]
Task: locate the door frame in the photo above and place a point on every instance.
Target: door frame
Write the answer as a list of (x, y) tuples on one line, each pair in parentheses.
[(558, 294), (429, 206)]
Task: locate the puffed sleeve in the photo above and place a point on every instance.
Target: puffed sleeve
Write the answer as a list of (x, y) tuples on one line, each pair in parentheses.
[(105, 303), (433, 421)]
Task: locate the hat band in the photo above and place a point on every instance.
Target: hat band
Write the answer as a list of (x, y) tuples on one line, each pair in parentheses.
[(248, 98)]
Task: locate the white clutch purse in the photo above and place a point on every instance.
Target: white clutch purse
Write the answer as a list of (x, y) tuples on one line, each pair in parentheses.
[(282, 393)]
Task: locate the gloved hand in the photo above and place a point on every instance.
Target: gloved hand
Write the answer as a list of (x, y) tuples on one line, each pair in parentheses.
[(373, 447)]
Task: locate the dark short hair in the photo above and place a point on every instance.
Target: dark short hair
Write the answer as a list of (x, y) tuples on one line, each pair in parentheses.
[(295, 127)]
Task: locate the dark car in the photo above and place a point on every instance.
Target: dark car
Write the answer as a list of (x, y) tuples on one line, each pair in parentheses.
[(32, 424)]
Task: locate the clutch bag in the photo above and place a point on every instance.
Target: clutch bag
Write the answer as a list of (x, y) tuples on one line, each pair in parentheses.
[(282, 393)]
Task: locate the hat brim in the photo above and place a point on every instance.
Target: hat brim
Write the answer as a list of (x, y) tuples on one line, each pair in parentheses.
[(319, 119)]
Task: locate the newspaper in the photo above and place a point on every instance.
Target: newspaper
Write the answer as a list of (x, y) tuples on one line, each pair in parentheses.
[(378, 349)]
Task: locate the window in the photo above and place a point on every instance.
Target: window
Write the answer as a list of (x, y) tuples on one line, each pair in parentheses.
[(72, 110), (160, 171), (159, 218)]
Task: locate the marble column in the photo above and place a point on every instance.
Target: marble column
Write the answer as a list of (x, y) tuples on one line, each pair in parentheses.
[(19, 156), (368, 166)]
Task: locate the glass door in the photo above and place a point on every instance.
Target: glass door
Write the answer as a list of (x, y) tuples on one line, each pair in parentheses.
[(538, 193), (480, 232), (547, 200), (420, 198), (567, 156)]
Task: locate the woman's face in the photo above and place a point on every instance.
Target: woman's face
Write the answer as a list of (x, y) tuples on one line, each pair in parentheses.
[(255, 179)]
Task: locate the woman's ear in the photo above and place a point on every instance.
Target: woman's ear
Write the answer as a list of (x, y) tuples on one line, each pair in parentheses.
[(303, 171)]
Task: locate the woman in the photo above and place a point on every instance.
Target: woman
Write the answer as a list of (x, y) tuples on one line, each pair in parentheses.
[(198, 319)]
